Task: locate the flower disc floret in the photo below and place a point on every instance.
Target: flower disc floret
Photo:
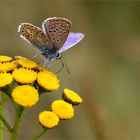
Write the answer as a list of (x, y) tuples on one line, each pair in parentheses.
[(71, 97), (24, 76), (48, 80), (48, 119), (26, 63), (4, 58), (7, 66), (25, 95), (5, 79), (62, 109)]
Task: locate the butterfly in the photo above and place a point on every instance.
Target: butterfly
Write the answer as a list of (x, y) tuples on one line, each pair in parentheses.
[(53, 39)]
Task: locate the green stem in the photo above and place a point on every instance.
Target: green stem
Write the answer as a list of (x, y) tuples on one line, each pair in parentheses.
[(18, 117), (40, 134), (2, 120), (5, 123)]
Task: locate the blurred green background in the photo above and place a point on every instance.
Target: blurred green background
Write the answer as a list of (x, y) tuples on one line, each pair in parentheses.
[(105, 66)]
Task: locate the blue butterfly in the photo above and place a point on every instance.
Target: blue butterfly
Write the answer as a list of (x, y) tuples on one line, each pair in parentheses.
[(53, 39)]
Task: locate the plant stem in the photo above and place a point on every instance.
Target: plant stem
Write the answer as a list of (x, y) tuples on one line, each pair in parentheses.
[(2, 120), (18, 117), (40, 134)]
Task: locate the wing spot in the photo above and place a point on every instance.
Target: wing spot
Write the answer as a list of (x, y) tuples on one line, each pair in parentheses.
[(50, 31)]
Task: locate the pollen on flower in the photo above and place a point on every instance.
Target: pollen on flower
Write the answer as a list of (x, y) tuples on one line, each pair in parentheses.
[(26, 63), (7, 66), (24, 76), (48, 119), (71, 97), (25, 95), (5, 79), (48, 80), (62, 109), (4, 58)]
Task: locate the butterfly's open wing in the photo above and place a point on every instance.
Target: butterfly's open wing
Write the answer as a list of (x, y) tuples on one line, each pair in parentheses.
[(57, 29), (73, 38), (34, 36)]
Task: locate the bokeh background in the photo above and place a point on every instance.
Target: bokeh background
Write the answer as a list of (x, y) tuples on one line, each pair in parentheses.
[(105, 66)]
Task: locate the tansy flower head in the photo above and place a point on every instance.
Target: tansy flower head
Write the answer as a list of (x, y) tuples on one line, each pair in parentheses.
[(5, 79), (62, 109), (48, 80), (25, 95), (71, 97), (19, 57), (24, 76), (4, 58), (48, 119), (7, 66), (26, 63)]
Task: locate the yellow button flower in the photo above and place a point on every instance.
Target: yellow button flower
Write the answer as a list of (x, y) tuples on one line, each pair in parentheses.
[(4, 58), (71, 97), (26, 63), (48, 119), (25, 95), (48, 80), (19, 57), (62, 109), (5, 79), (24, 76), (7, 66)]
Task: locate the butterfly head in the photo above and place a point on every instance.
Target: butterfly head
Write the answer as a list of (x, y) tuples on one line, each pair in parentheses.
[(51, 54)]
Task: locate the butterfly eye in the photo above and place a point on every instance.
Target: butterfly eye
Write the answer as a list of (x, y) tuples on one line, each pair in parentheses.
[(58, 56)]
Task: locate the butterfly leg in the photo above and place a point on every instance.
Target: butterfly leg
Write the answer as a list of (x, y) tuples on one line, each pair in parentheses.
[(39, 53)]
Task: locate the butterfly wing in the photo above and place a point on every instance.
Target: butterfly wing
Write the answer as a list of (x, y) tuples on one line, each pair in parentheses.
[(34, 36), (57, 29), (73, 38)]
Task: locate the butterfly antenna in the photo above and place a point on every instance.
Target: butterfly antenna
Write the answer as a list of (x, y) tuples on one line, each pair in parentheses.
[(64, 62)]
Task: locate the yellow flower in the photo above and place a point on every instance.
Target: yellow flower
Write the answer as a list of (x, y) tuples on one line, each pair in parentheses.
[(48, 119), (5, 79), (26, 63), (4, 58), (24, 76), (19, 57), (48, 80), (62, 109), (7, 66), (71, 97), (25, 95)]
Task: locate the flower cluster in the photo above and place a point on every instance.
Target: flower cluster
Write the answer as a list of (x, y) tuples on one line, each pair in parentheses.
[(61, 109), (27, 80)]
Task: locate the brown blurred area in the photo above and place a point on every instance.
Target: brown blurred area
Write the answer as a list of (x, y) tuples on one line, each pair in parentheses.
[(104, 66)]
